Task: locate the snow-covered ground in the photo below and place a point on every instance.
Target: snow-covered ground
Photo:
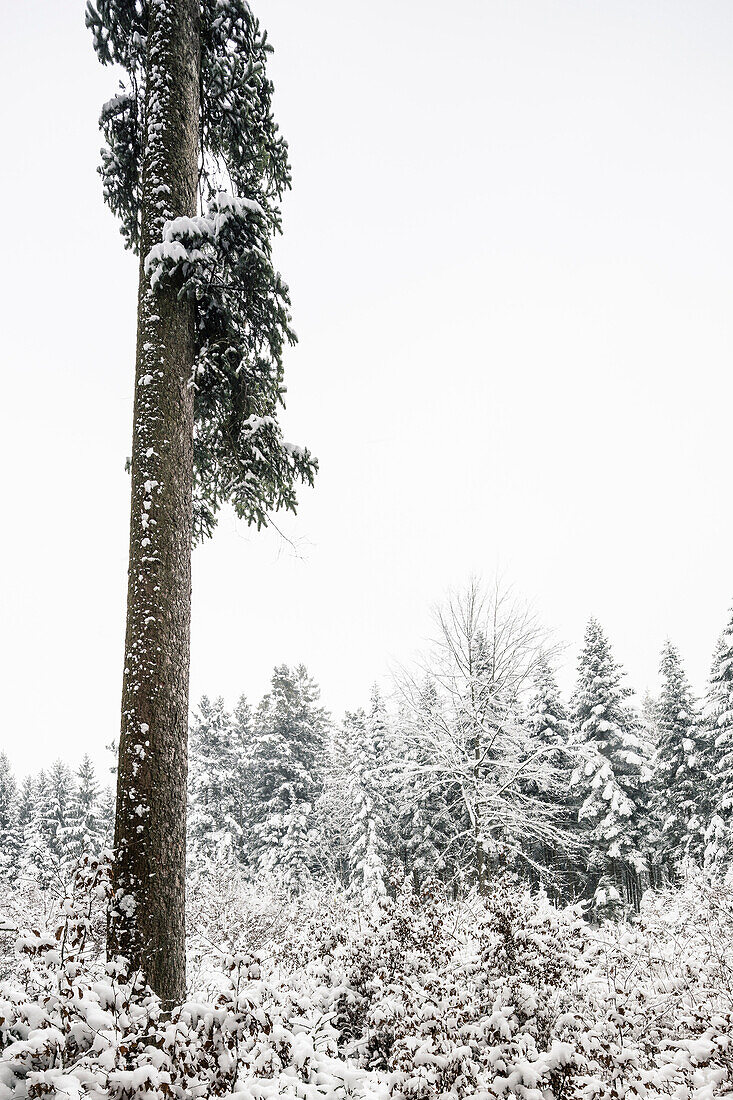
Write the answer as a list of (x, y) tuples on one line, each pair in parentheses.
[(502, 995)]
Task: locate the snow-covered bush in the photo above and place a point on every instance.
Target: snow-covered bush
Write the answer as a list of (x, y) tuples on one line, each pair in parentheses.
[(411, 996), (71, 1025), (658, 999), (460, 1000)]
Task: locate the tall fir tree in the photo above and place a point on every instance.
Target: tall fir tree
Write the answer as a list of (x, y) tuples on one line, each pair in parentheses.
[(195, 169), (367, 859), (718, 713), (678, 776), (611, 778), (9, 831), (287, 770)]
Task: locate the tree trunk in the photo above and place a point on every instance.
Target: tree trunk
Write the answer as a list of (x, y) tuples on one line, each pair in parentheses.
[(147, 922)]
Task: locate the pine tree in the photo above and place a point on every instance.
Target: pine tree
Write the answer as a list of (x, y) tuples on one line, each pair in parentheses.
[(107, 804), (25, 811), (333, 816), (217, 774), (611, 777), (9, 839), (85, 833), (287, 768), (36, 860), (719, 756), (678, 777), (389, 766), (432, 819), (549, 734), (193, 117), (56, 815), (367, 844), (546, 718)]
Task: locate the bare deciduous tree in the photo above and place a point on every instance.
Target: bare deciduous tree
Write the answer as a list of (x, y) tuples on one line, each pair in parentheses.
[(461, 719)]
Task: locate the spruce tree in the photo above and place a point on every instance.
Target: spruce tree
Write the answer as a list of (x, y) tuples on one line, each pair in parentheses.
[(52, 812), (678, 776), (215, 827), (57, 815), (36, 860), (549, 734), (432, 820), (24, 815), (546, 718), (650, 720), (9, 838), (287, 771), (388, 768), (367, 844), (718, 713), (85, 833), (334, 819), (423, 842), (195, 168), (611, 777), (107, 805)]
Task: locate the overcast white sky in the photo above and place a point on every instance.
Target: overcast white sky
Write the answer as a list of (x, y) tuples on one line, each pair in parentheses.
[(509, 247)]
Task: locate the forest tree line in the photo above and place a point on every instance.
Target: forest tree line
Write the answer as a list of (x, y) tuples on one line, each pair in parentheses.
[(474, 766)]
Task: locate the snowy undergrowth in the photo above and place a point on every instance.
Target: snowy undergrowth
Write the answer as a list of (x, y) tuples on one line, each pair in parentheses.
[(501, 996)]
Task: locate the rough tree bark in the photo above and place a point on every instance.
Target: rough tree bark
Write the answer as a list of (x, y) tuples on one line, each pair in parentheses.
[(147, 915)]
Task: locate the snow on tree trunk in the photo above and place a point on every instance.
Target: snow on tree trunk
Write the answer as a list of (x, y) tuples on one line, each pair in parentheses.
[(147, 918)]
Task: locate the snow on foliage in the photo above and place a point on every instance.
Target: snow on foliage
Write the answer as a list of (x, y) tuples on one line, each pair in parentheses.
[(368, 856), (419, 996), (286, 773), (611, 778), (341, 940), (473, 768), (719, 757), (221, 260), (678, 766), (54, 819)]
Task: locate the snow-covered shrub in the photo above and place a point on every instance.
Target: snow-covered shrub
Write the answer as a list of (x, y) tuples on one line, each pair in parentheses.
[(412, 997), (441, 999), (508, 996), (659, 996), (71, 1025)]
